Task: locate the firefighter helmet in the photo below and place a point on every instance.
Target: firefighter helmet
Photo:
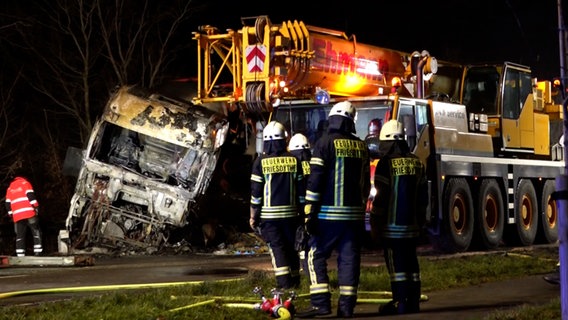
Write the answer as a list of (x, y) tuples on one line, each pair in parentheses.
[(392, 130), (274, 130), (298, 142), (344, 109)]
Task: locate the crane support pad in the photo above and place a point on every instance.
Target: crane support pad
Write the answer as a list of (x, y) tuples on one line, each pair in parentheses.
[(30, 261)]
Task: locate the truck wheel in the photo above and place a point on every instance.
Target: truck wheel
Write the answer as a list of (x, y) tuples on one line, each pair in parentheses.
[(523, 231), (457, 224), (489, 217), (548, 225)]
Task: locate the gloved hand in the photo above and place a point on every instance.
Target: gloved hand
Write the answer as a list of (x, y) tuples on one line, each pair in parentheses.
[(311, 218), (254, 220), (301, 239), (312, 225)]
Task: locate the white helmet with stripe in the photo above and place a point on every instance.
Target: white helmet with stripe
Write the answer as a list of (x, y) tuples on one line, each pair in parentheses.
[(298, 142), (274, 130), (392, 130)]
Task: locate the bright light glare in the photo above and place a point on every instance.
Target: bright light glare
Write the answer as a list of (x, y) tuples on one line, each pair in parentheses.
[(350, 83), (373, 191), (368, 67)]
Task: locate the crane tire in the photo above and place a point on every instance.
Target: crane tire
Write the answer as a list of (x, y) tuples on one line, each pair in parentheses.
[(458, 221), (523, 231), (489, 215), (548, 221)]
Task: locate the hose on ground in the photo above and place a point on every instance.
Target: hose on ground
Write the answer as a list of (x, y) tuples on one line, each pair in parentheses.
[(231, 302)]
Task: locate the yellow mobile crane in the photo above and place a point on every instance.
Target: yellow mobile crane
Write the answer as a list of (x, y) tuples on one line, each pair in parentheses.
[(489, 133), (492, 158)]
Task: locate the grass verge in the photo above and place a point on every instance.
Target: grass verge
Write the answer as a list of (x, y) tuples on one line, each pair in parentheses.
[(235, 299)]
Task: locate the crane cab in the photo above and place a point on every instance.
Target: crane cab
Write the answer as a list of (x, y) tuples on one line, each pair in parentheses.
[(516, 107)]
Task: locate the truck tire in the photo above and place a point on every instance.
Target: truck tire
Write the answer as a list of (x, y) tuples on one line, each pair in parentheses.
[(523, 231), (489, 216), (548, 222), (457, 224)]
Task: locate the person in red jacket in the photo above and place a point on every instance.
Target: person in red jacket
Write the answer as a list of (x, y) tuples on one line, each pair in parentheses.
[(23, 207)]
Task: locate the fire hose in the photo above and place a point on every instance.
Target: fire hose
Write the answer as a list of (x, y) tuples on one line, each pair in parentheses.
[(5, 295), (276, 307)]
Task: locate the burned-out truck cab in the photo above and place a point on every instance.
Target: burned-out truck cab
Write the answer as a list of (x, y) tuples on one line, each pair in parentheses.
[(148, 161)]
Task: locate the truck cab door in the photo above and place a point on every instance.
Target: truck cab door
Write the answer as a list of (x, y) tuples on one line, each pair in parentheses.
[(517, 128), (413, 115), (511, 133)]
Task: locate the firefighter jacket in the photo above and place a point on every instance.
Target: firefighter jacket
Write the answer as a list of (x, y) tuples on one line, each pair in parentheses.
[(402, 194), (277, 185), (21, 200), (339, 179), (304, 157)]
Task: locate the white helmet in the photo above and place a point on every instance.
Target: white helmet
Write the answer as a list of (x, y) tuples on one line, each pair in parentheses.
[(392, 130), (298, 142), (274, 130), (344, 109)]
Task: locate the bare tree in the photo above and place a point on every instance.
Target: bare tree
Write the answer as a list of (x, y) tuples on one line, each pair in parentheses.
[(12, 130), (142, 45), (63, 58), (60, 42), (85, 48)]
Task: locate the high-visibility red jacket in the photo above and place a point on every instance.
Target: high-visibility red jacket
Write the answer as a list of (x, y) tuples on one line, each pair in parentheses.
[(21, 200)]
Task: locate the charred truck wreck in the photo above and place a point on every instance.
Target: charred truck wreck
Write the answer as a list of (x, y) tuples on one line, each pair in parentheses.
[(148, 161)]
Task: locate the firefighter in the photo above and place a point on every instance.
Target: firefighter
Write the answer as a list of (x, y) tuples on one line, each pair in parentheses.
[(372, 137), (337, 190), (299, 146), (276, 188), (398, 216), (23, 207)]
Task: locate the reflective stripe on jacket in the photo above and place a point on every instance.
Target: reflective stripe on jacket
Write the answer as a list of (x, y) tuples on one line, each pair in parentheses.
[(277, 185), (20, 200), (339, 177)]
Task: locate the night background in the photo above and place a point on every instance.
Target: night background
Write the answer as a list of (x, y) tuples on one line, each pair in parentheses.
[(60, 60)]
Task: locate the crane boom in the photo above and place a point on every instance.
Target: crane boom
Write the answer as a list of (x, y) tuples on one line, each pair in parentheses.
[(268, 62)]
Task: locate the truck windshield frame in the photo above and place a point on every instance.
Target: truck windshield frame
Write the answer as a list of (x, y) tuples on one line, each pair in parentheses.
[(310, 119)]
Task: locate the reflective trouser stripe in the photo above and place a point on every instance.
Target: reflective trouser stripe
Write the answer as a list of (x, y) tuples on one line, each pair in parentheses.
[(281, 271), (319, 288), (38, 248), (347, 291)]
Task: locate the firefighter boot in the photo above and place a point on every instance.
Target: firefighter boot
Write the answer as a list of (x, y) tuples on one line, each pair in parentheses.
[(313, 312), (392, 307), (413, 301), (409, 300), (345, 306), (321, 306)]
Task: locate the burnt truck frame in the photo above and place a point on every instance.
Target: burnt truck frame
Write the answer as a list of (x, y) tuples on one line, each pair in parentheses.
[(148, 161)]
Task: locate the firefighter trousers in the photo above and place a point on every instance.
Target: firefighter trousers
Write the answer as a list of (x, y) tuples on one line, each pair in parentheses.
[(404, 271), (344, 237), (21, 228), (280, 237)]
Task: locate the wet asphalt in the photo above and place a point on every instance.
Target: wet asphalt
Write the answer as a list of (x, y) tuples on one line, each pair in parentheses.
[(464, 303)]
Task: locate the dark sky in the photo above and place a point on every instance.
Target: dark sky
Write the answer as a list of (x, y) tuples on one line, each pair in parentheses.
[(465, 31)]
